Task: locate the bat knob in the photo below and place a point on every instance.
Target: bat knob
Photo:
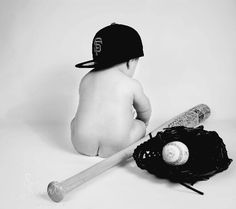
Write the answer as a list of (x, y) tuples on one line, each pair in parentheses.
[(55, 191)]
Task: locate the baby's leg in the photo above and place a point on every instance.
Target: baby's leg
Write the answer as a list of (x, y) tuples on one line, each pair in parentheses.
[(137, 131)]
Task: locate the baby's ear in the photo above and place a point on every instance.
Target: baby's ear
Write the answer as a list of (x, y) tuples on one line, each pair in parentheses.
[(128, 64), (132, 63)]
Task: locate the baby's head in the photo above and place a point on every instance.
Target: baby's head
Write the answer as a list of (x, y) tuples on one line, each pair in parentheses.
[(115, 45)]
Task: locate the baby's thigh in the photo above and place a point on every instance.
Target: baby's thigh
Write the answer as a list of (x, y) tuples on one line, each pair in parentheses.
[(137, 131)]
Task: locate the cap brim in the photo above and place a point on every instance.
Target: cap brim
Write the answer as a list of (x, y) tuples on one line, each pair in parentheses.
[(87, 64)]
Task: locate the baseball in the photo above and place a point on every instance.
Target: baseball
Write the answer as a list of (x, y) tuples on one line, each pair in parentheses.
[(175, 153)]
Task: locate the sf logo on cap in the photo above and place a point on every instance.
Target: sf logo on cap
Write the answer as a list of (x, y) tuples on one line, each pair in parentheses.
[(97, 45)]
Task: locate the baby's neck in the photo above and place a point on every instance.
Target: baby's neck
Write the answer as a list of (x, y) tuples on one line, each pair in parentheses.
[(123, 69)]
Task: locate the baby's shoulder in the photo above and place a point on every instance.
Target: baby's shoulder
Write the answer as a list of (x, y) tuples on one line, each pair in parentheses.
[(85, 82), (131, 87), (135, 85)]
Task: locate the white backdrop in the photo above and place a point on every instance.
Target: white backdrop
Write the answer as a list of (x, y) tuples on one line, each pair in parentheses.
[(190, 50)]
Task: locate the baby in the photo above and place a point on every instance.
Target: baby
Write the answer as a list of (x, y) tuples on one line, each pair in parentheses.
[(110, 98)]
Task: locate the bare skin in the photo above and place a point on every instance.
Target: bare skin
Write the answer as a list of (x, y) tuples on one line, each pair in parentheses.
[(104, 122)]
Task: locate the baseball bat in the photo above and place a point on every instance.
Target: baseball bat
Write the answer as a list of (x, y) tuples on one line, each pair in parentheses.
[(190, 118)]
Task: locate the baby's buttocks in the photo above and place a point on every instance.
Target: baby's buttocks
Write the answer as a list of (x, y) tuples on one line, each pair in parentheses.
[(104, 116)]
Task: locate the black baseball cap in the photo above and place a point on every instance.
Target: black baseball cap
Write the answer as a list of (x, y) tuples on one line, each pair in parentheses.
[(112, 45)]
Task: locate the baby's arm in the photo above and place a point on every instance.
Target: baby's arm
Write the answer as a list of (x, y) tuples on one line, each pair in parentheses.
[(141, 103)]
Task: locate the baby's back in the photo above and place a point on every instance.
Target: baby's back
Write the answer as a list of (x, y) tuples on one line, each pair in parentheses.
[(105, 109)]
